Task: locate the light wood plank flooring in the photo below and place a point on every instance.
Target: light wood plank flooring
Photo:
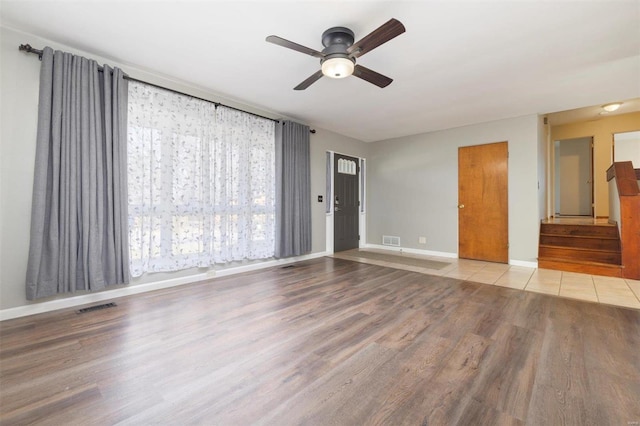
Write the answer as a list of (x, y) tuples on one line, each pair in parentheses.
[(326, 342)]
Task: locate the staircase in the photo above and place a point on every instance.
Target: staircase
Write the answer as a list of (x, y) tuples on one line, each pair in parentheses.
[(586, 247)]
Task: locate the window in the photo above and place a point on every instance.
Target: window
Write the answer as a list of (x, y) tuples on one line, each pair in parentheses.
[(201, 182), (347, 167)]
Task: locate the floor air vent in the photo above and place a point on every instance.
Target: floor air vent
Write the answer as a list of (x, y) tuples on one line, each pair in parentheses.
[(97, 308), (388, 240)]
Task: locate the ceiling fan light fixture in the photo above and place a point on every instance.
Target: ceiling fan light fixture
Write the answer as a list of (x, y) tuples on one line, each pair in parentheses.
[(338, 67), (338, 58), (612, 107)]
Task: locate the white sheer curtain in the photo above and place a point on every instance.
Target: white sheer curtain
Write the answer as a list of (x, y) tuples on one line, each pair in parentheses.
[(201, 182), (244, 189)]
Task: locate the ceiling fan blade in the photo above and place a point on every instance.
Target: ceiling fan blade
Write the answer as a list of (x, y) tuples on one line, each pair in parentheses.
[(383, 34), (371, 76), (294, 46), (309, 81)]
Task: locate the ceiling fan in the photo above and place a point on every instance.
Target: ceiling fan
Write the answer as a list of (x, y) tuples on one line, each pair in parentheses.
[(338, 58)]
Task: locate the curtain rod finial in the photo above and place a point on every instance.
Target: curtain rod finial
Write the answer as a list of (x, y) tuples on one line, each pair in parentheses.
[(27, 48)]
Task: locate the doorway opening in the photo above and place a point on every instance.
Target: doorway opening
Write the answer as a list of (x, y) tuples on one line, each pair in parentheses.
[(626, 147), (573, 177), (345, 202)]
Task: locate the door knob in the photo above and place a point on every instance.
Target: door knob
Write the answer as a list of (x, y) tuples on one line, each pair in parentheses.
[(461, 206), (337, 208)]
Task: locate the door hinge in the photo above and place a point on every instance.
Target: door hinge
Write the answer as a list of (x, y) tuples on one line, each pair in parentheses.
[(358, 237)]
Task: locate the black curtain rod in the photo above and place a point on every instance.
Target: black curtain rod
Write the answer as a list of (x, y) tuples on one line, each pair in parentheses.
[(27, 48)]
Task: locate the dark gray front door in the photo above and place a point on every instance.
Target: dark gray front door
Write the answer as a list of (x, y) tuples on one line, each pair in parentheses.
[(346, 178)]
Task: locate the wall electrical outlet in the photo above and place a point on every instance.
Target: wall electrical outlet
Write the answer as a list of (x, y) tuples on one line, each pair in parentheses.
[(422, 240)]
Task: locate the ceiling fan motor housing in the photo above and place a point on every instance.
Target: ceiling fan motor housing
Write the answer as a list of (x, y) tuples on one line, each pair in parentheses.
[(337, 35), (336, 41)]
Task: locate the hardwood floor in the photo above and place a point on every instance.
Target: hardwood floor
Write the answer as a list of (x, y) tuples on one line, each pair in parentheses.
[(328, 341)]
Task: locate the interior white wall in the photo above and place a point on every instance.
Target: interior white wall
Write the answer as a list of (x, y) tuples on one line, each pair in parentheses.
[(544, 135), (19, 80), (627, 147), (19, 85), (556, 169), (614, 204), (413, 186)]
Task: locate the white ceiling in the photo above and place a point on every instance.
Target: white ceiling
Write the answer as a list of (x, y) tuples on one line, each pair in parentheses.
[(459, 63)]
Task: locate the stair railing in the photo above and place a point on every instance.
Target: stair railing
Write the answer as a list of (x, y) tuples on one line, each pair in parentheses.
[(624, 208)]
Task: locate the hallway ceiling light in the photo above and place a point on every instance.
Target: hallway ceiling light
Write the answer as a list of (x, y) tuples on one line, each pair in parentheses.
[(611, 107)]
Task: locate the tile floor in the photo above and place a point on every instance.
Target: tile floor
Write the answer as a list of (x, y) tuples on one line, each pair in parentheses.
[(592, 288)]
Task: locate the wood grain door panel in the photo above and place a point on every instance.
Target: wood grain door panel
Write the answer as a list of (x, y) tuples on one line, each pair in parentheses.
[(483, 226)]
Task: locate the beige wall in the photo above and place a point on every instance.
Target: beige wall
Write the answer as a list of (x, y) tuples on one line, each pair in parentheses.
[(602, 131)]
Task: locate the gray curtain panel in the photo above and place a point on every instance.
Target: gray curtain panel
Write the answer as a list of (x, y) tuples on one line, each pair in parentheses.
[(293, 190), (79, 229)]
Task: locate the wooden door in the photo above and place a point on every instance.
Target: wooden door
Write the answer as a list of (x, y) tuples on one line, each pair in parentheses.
[(483, 211), (346, 205)]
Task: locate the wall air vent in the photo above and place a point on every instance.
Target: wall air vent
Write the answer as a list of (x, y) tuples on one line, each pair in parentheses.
[(388, 240)]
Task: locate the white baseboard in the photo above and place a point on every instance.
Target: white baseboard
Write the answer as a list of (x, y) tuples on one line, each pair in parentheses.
[(413, 251), (524, 263), (70, 302), (267, 264), (512, 262)]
